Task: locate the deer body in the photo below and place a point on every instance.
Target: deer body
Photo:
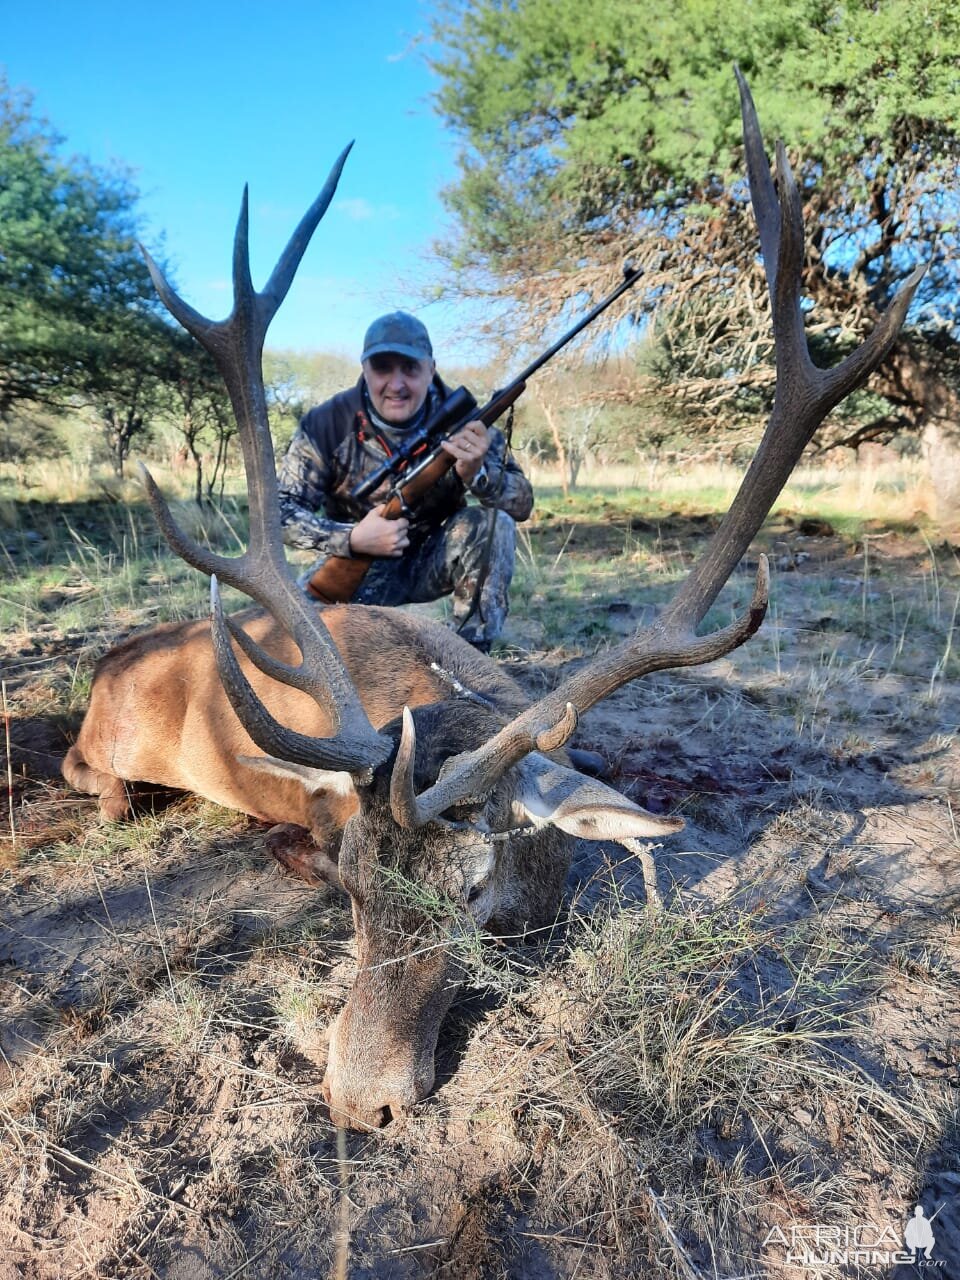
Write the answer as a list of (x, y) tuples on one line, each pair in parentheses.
[(159, 714)]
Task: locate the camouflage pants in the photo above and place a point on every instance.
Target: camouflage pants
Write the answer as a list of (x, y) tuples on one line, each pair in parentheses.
[(451, 560)]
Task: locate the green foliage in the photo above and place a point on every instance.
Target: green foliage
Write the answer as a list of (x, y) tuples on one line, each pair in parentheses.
[(593, 114), (295, 381), (75, 297), (197, 407), (591, 134), (25, 439), (80, 323)]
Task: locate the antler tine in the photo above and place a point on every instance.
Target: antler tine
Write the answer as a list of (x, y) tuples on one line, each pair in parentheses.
[(261, 572), (779, 216), (835, 383), (472, 775), (783, 283), (286, 268), (282, 672), (181, 311), (859, 364), (244, 294), (207, 333), (763, 193), (356, 755), (549, 723), (404, 805), (300, 677), (186, 548), (804, 394)]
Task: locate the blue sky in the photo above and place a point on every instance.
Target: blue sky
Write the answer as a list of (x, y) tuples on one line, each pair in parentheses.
[(200, 97)]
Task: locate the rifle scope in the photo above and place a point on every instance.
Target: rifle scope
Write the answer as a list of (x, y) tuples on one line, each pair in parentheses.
[(456, 409)]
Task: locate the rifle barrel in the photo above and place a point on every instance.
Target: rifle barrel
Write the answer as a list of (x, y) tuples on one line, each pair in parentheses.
[(541, 360)]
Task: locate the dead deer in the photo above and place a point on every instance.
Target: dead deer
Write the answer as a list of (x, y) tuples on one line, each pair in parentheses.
[(405, 754)]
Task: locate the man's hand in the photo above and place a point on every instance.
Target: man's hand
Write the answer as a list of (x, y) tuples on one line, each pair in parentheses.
[(375, 536), (469, 446)]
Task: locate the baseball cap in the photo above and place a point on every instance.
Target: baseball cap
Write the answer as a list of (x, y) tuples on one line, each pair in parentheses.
[(400, 333)]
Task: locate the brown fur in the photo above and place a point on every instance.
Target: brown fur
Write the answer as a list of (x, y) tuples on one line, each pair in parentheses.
[(382, 1044), (158, 713)]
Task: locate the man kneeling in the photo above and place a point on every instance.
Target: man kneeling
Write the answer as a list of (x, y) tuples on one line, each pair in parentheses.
[(445, 546)]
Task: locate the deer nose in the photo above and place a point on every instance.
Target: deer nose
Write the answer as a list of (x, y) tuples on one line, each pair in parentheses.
[(362, 1113), (361, 1120)]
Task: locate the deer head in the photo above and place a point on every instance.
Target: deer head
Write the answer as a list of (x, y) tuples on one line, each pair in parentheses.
[(463, 802)]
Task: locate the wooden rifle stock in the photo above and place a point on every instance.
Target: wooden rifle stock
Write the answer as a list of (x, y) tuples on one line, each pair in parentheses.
[(338, 578)]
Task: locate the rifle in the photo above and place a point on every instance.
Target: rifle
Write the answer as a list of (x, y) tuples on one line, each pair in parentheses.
[(338, 577)]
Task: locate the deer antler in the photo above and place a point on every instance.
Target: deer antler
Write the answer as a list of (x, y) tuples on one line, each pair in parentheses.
[(261, 572), (804, 396)]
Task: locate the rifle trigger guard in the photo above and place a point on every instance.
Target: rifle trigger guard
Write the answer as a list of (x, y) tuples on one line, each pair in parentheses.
[(405, 510)]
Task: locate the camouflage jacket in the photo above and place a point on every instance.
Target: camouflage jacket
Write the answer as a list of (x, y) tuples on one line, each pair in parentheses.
[(335, 447)]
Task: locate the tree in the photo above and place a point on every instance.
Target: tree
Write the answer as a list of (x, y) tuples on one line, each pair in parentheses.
[(138, 353), (72, 280), (199, 410), (596, 134), (24, 439), (579, 401), (295, 381)]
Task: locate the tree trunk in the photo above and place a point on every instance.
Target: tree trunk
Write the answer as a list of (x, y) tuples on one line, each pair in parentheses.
[(197, 462), (225, 433), (558, 445), (114, 439), (941, 451)]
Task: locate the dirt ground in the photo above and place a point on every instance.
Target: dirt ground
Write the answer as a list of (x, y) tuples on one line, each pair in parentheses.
[(165, 987)]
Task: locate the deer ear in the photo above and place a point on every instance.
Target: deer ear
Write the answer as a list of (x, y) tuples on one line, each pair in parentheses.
[(330, 781), (550, 794)]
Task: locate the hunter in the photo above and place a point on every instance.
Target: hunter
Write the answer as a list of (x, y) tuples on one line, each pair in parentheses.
[(446, 545)]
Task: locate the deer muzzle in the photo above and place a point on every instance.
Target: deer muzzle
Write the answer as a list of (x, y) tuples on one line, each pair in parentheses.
[(382, 1047)]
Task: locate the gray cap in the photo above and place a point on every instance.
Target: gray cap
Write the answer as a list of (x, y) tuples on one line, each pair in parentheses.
[(400, 333)]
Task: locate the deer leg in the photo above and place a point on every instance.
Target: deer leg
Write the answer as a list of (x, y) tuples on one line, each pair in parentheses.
[(111, 790), (296, 850)]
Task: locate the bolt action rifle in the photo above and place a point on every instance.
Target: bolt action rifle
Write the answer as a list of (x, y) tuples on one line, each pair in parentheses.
[(338, 577)]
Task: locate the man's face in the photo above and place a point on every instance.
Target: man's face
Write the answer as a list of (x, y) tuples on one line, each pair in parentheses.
[(398, 385)]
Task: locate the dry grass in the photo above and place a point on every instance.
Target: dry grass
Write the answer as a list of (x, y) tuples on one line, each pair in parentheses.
[(891, 491), (706, 1055), (73, 478), (646, 1095)]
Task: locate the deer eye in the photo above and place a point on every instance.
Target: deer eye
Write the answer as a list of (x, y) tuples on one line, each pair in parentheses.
[(480, 885)]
